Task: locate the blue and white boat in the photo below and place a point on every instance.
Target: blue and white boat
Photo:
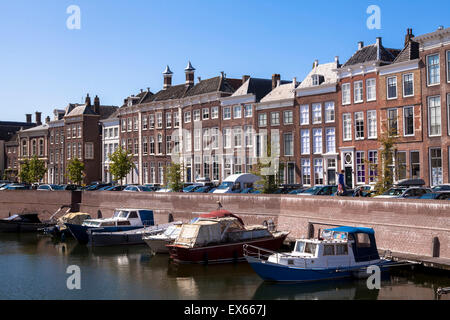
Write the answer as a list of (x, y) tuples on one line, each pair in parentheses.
[(122, 220), (341, 252)]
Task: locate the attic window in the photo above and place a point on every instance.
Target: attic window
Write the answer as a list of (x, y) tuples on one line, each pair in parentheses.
[(317, 79), (130, 102)]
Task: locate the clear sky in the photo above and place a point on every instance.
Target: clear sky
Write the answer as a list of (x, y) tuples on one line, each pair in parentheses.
[(124, 46)]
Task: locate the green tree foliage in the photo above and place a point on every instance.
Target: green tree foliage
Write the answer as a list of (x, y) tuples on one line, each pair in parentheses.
[(32, 170), (174, 174), (385, 168), (267, 169), (75, 170), (121, 163)]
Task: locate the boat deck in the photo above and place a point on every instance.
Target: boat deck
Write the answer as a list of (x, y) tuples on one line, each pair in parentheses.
[(429, 262)]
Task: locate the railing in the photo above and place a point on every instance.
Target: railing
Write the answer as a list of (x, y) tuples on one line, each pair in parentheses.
[(261, 253)]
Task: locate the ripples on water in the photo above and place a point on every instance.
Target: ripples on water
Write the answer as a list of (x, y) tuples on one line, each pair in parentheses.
[(34, 267)]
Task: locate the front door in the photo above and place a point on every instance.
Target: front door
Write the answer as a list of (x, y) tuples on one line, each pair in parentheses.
[(331, 176), (348, 177)]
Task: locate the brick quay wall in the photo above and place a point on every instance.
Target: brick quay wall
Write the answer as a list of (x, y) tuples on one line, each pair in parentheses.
[(405, 226)]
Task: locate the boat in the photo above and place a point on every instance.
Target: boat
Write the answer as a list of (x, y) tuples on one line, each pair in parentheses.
[(25, 222), (340, 252), (100, 237), (158, 242), (218, 237), (122, 220), (59, 230)]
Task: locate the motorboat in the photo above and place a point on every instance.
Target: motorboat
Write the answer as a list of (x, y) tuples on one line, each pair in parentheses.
[(60, 230), (340, 252), (101, 237), (24, 222), (219, 237), (122, 220), (158, 242)]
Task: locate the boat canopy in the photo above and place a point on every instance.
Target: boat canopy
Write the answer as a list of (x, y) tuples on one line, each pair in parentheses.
[(74, 218), (221, 214), (364, 245)]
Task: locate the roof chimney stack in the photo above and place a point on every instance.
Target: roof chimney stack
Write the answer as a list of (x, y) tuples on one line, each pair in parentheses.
[(167, 78), (97, 105), (189, 71), (409, 36), (378, 41), (28, 116), (88, 100), (360, 45), (245, 78), (47, 120), (336, 60), (38, 118), (275, 78), (316, 63)]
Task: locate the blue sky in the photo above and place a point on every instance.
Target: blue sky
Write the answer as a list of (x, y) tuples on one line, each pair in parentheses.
[(124, 46)]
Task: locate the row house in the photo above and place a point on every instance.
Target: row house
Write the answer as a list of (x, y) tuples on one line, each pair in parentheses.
[(434, 54), (57, 160), (358, 111), (317, 126), (110, 142), (401, 110)]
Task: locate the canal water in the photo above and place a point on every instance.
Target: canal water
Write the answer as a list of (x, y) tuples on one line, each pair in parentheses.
[(34, 267)]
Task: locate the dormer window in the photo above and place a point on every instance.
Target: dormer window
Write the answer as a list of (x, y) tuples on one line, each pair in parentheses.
[(317, 79), (130, 102)]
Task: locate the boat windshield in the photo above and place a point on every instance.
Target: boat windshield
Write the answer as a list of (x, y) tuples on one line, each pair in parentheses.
[(225, 185), (92, 223), (120, 214), (394, 192), (305, 247)]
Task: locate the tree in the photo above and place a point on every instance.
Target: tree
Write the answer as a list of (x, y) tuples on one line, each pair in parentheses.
[(268, 169), (32, 170), (174, 176), (24, 173), (75, 171), (385, 169), (121, 163)]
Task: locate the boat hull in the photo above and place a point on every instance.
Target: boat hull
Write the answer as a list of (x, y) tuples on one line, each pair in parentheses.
[(17, 226), (158, 245), (222, 253), (281, 273), (80, 232)]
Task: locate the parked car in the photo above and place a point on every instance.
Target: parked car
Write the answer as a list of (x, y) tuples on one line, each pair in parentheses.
[(94, 187), (320, 191), (115, 188), (153, 186), (441, 187), (347, 193), (297, 191), (164, 189), (50, 187), (235, 183), (404, 193), (17, 186), (192, 187), (286, 188), (436, 196), (70, 187), (203, 189), (137, 189)]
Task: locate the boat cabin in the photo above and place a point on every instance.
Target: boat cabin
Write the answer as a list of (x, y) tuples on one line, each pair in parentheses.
[(123, 217)]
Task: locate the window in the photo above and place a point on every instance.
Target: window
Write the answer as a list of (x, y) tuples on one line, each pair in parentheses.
[(123, 129), (347, 124), (168, 120), (74, 131), (160, 140), (262, 119), (89, 150), (317, 113), (168, 144), (288, 117), (206, 166), (237, 165), (274, 118), (306, 171), (248, 110), (329, 112), (205, 113), (318, 171), (372, 124), (304, 114), (434, 116), (315, 79), (41, 147), (214, 112), (401, 165), (176, 119), (408, 85), (248, 136), (151, 120), (69, 151), (330, 136), (346, 93), (196, 115), (288, 144), (392, 122), (408, 121), (130, 124), (392, 87), (433, 69), (215, 138), (360, 167), (33, 147), (359, 125), (448, 66), (227, 137), (144, 145), (197, 139), (152, 145), (371, 90), (436, 166), (136, 146), (328, 250), (130, 145), (226, 113), (237, 137), (159, 121), (145, 123), (373, 163), (317, 140), (187, 117), (237, 112), (135, 123), (206, 139), (358, 91)]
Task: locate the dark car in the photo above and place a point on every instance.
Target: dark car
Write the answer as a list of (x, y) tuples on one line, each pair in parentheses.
[(436, 196), (442, 187), (347, 193), (298, 191), (286, 188), (192, 188), (115, 188), (320, 191), (204, 189), (95, 187)]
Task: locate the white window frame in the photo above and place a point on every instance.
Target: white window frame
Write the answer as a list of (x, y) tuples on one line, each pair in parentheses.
[(303, 108), (214, 112), (303, 150), (427, 67), (187, 116), (226, 113), (196, 115), (387, 88), (246, 108), (330, 109), (259, 119), (355, 90), (313, 111), (291, 117), (429, 117), (403, 85), (359, 113), (291, 146), (369, 120), (447, 59), (327, 130), (237, 112), (344, 116), (272, 123), (374, 91), (404, 123), (346, 93), (319, 147), (205, 113)]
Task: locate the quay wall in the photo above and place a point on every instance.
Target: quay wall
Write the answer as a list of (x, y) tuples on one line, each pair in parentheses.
[(405, 226)]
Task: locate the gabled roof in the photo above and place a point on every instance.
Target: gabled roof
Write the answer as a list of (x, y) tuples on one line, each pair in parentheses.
[(256, 86), (173, 92), (325, 70), (374, 52), (78, 110), (281, 92), (410, 52), (216, 84), (107, 111)]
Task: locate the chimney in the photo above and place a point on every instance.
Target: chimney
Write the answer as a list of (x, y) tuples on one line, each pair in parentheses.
[(199, 79), (88, 100), (38, 118), (28, 116), (97, 105), (189, 71), (275, 78), (316, 63), (148, 89), (409, 36), (167, 78), (378, 41), (294, 81), (336, 60), (360, 45), (47, 120), (440, 28), (245, 78)]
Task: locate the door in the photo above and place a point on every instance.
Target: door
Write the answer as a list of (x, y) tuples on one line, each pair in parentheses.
[(331, 176), (349, 177)]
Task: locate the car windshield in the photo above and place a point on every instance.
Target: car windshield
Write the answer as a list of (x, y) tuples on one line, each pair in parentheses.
[(56, 187), (225, 185), (394, 192), (189, 188), (312, 190), (441, 188), (120, 214)]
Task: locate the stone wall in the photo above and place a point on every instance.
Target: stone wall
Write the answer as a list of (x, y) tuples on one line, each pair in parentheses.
[(406, 226)]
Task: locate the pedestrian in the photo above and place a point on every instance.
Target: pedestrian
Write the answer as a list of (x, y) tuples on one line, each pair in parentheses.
[(341, 183)]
